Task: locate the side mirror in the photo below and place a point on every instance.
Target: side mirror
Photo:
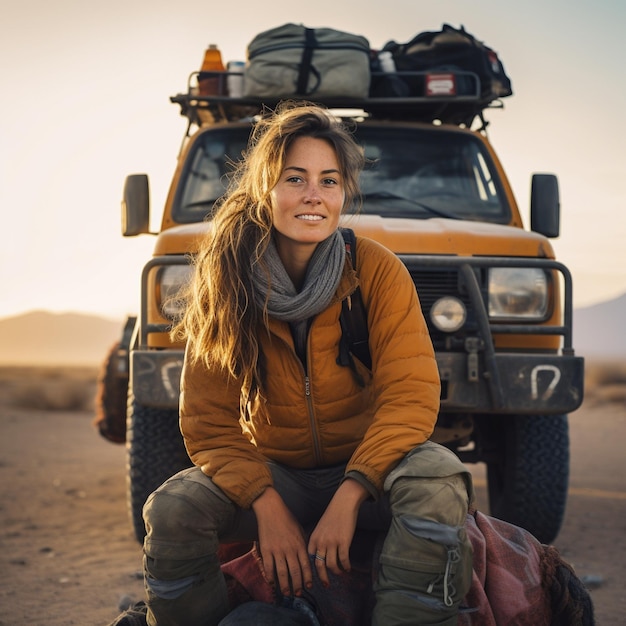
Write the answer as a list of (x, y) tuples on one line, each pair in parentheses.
[(136, 206), (545, 206)]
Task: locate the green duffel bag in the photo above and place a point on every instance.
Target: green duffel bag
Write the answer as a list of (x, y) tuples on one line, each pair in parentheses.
[(295, 61)]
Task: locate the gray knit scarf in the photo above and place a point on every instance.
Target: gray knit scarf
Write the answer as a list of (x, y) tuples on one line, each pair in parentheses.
[(284, 302)]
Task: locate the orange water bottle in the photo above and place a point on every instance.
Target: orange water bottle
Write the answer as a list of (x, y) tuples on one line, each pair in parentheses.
[(212, 62)]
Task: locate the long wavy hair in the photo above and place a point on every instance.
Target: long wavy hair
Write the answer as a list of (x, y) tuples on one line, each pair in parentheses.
[(221, 320)]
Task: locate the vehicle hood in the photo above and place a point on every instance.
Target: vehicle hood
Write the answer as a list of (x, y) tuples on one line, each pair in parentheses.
[(449, 236), (182, 239), (404, 236)]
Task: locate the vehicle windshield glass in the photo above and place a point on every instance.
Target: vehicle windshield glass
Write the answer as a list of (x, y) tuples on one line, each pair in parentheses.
[(422, 173), (205, 174), (415, 173)]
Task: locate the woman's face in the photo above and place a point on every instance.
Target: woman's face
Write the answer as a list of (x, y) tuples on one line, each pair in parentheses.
[(309, 196)]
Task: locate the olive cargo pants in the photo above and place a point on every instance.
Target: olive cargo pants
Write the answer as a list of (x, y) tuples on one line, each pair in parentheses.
[(425, 567)]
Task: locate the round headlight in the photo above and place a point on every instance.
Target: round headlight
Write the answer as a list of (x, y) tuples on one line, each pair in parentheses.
[(448, 314)]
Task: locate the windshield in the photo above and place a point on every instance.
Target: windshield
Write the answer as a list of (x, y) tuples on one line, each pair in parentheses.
[(205, 175), (421, 173), (415, 173)]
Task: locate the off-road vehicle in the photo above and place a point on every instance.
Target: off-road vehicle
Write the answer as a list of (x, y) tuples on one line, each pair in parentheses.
[(497, 303)]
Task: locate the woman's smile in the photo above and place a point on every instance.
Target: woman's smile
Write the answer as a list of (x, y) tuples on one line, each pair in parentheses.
[(307, 202), (311, 218)]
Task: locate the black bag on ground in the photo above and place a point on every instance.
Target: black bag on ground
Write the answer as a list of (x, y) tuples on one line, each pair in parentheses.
[(447, 50)]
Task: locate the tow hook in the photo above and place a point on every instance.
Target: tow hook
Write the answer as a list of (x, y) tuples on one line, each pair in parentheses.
[(472, 346)]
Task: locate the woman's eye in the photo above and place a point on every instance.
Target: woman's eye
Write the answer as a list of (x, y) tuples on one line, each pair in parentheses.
[(330, 181), (294, 179)]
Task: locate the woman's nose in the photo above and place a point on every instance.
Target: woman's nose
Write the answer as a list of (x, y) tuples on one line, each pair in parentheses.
[(312, 194)]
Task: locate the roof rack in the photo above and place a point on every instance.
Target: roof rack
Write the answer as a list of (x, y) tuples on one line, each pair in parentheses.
[(440, 100)]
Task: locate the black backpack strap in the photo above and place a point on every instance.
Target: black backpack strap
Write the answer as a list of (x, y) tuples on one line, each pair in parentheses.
[(353, 317), (306, 64)]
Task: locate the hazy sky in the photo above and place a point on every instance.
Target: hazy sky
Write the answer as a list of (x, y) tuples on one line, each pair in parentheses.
[(85, 101)]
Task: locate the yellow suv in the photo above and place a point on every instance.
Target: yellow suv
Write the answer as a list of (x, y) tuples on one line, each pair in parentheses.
[(497, 303)]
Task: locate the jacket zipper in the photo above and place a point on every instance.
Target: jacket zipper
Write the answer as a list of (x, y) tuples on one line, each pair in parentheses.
[(309, 404)]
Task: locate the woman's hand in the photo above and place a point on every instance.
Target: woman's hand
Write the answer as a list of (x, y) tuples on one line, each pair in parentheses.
[(331, 539), (282, 545)]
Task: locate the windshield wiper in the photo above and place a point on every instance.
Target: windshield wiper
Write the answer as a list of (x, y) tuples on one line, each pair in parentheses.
[(196, 203), (388, 195)]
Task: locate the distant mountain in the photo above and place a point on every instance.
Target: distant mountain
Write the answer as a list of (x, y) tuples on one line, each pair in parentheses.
[(44, 338), (600, 330)]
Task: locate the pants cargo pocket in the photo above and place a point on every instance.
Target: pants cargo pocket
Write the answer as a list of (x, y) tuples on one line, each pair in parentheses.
[(424, 584), (425, 566)]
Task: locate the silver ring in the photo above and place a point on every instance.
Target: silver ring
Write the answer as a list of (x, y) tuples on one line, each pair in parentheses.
[(319, 557)]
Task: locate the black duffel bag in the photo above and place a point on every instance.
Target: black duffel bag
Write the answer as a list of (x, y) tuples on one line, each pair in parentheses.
[(447, 50)]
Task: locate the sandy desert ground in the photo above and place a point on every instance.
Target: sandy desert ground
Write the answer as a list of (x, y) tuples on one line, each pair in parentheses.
[(67, 555)]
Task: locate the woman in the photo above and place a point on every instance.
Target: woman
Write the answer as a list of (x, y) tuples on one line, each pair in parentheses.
[(290, 448)]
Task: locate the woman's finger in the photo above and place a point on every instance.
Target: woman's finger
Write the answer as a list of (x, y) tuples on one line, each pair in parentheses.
[(320, 566), (332, 561), (281, 571)]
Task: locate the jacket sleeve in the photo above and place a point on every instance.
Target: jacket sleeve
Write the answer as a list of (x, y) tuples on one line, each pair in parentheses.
[(211, 429), (405, 377)]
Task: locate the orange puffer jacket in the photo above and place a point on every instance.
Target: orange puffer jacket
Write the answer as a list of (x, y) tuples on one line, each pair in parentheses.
[(322, 416)]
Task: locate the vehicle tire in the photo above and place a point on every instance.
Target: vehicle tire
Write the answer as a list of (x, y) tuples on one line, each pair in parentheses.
[(528, 481), (155, 451), (111, 398)]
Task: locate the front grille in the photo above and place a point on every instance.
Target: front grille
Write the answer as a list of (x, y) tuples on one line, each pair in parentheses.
[(432, 284), (467, 279)]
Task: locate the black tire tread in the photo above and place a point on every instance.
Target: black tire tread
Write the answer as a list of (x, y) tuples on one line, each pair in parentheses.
[(528, 485), (155, 451)]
